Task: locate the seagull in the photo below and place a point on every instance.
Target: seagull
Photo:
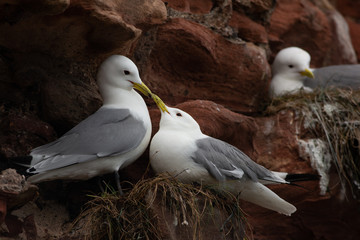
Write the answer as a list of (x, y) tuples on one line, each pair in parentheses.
[(342, 76), (106, 141), (292, 72), (182, 150), (288, 69)]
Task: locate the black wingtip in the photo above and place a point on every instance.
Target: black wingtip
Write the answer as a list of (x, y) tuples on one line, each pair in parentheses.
[(16, 162), (20, 164), (20, 161), (294, 177)]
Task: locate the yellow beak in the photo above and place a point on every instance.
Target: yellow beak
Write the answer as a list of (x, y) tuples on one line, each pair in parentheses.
[(142, 88), (161, 105), (308, 73)]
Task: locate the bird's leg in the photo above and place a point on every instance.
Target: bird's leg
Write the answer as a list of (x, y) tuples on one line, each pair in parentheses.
[(117, 180), (99, 182)]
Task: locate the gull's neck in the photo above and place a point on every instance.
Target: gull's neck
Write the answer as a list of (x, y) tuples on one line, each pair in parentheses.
[(285, 83), (167, 124), (124, 99), (290, 80), (121, 98)]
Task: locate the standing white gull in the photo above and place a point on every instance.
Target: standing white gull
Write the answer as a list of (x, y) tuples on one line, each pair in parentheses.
[(181, 149), (108, 140), (291, 72)]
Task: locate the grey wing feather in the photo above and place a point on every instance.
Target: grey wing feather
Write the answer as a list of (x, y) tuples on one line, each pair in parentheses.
[(224, 161), (345, 76), (108, 132)]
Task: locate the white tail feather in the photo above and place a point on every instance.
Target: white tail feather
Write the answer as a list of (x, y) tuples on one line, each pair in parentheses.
[(260, 195)]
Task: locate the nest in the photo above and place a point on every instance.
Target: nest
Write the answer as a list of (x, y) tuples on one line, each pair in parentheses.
[(155, 205), (332, 115)]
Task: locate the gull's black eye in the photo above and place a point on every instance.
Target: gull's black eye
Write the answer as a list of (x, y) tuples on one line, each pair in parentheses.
[(179, 114), (290, 66), (126, 72)]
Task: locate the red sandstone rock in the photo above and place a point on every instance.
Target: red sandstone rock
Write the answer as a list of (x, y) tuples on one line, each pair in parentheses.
[(254, 6), (54, 58), (348, 8), (39, 7), (141, 14), (29, 32), (317, 217), (188, 61), (302, 24), (21, 133), (354, 28), (248, 29), (344, 52), (14, 191), (3, 210), (196, 7), (83, 27)]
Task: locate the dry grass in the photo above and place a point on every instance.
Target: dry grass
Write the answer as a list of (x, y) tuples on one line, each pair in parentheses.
[(334, 116), (154, 204)]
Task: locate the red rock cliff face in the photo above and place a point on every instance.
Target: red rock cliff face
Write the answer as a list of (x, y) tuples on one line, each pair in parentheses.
[(209, 58)]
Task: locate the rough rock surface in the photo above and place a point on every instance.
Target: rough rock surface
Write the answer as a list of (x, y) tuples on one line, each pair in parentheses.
[(210, 58), (196, 7), (354, 28), (49, 57), (203, 65), (313, 28), (349, 9), (14, 193)]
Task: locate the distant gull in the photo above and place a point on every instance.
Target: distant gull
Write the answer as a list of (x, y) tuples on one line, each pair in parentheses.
[(343, 76), (291, 72), (288, 70), (108, 140), (181, 149)]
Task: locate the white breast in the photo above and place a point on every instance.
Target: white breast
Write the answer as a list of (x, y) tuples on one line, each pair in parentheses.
[(170, 152)]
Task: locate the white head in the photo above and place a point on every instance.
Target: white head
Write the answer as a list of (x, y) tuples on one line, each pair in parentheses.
[(292, 62), (177, 119), (119, 72)]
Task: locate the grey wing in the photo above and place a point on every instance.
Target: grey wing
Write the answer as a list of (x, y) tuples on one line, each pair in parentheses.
[(345, 76), (224, 161), (108, 132)]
